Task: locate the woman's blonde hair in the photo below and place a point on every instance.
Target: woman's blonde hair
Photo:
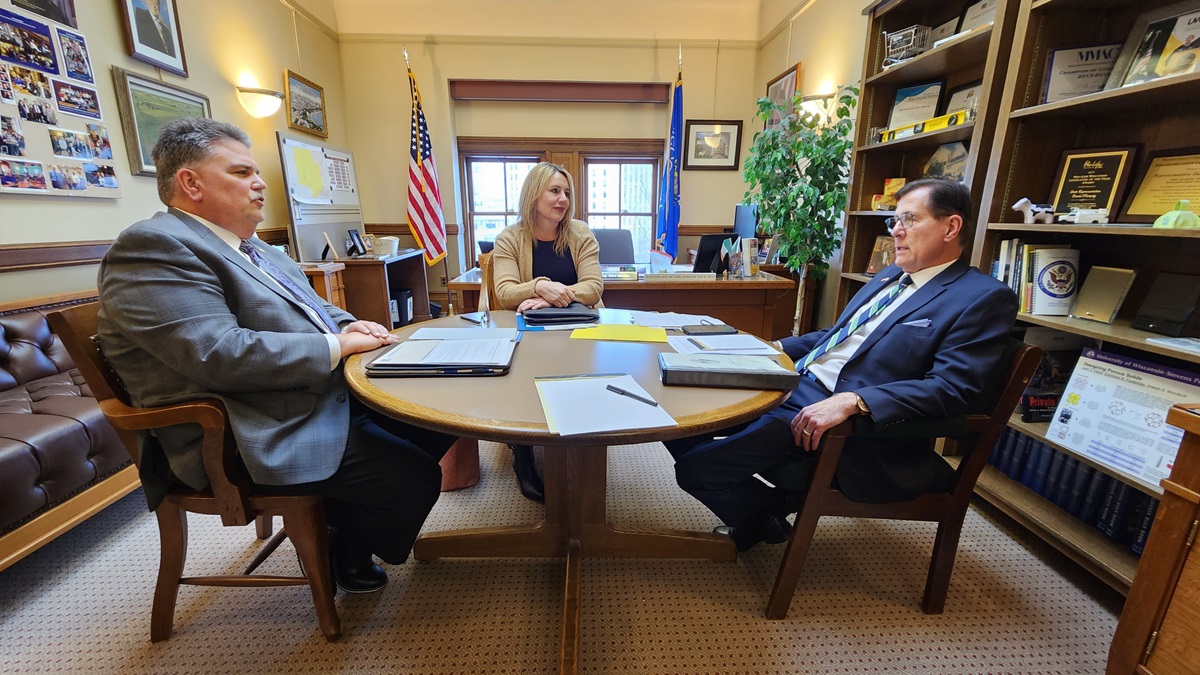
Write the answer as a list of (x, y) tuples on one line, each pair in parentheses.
[(535, 184)]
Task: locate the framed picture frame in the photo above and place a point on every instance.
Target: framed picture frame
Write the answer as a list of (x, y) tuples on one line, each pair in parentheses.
[(915, 103), (358, 246), (146, 105), (1165, 177), (1075, 71), (964, 97), (712, 145), (883, 253), (976, 14), (63, 11), (1161, 44), (153, 35), (782, 90), (305, 101), (1092, 178)]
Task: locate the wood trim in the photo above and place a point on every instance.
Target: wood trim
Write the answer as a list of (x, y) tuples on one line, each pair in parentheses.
[(39, 255), (697, 230), (48, 302), (397, 229), (560, 92), (275, 236), (536, 147)]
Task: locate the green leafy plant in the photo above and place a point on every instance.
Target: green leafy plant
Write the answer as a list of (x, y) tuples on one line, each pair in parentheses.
[(798, 176)]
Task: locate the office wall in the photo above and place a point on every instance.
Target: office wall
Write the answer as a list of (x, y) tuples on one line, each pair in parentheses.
[(226, 42)]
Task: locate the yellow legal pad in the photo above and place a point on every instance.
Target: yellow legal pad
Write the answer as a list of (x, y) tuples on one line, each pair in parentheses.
[(620, 332)]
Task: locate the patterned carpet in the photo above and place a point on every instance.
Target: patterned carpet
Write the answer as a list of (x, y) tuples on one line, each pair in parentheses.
[(82, 603)]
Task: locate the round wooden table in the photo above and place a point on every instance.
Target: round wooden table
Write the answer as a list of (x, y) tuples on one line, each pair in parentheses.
[(507, 409)]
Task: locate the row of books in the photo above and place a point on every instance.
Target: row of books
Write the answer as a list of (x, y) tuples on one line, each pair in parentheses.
[(1120, 512), (1044, 276)]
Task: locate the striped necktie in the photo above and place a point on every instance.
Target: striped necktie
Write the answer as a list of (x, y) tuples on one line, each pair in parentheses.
[(288, 284), (870, 312)]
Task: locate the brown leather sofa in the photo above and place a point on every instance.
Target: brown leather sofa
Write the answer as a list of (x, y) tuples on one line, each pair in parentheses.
[(60, 461)]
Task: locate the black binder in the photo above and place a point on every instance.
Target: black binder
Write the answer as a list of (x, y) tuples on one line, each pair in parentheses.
[(1170, 306)]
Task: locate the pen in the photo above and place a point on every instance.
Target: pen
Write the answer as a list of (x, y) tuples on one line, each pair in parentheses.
[(472, 319), (699, 344), (630, 394)]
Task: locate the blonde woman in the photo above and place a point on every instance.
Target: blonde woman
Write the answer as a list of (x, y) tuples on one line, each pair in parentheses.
[(547, 259)]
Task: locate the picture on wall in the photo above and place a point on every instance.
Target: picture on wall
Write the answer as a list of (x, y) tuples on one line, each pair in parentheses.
[(27, 42), (714, 145), (782, 90), (305, 104), (153, 35), (62, 11), (146, 105), (12, 141), (76, 61), (75, 99)]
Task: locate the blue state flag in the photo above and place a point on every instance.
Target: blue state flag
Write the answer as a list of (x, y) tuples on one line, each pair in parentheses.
[(666, 230)]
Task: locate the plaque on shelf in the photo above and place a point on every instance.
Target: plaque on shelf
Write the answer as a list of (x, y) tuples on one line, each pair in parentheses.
[(1170, 306), (1103, 292), (1168, 176), (915, 104), (1091, 178), (1076, 71), (948, 161), (965, 97), (978, 14)]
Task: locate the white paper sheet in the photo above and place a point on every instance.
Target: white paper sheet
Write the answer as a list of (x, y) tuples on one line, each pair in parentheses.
[(582, 405), (464, 334), (497, 352), (671, 319), (741, 343)]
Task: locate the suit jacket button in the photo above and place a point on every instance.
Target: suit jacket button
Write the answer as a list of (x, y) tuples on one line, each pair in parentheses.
[(341, 398)]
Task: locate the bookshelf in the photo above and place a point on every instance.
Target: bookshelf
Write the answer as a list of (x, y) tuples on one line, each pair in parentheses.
[(1028, 142), (978, 55)]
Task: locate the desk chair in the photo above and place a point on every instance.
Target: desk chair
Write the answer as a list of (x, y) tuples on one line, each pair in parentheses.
[(616, 246), (971, 435), (487, 287), (230, 494)]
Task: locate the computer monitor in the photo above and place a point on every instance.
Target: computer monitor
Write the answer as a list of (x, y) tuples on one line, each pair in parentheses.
[(708, 253), (486, 246), (745, 220)]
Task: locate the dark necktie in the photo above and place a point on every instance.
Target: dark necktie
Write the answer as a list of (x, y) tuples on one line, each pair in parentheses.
[(870, 312), (286, 282)]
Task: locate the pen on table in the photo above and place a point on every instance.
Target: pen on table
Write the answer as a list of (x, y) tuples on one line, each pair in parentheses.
[(477, 322), (630, 394), (699, 344)]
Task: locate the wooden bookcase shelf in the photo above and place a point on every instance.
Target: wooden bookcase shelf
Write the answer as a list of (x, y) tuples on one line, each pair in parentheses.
[(1041, 431), (935, 63), (929, 139), (1181, 89), (1118, 332), (1113, 230)]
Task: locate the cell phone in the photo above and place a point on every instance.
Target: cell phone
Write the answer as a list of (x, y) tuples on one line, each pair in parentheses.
[(707, 329)]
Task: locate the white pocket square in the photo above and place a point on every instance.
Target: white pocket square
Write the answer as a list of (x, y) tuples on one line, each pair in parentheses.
[(919, 323)]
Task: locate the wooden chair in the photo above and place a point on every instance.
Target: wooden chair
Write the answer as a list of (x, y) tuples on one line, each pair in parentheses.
[(971, 435), (230, 494), (487, 277)]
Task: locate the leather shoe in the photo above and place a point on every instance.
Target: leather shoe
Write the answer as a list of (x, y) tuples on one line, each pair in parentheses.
[(771, 529), (528, 479), (354, 570)]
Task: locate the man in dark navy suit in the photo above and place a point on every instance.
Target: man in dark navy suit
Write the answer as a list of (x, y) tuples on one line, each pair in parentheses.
[(917, 341)]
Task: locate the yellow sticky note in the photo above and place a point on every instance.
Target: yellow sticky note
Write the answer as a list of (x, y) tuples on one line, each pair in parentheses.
[(620, 332)]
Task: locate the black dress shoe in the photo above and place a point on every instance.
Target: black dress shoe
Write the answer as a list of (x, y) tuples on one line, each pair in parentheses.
[(772, 530), (354, 570), (528, 479)]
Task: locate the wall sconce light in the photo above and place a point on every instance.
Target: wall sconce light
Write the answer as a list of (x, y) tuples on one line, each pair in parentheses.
[(259, 102), (819, 105)]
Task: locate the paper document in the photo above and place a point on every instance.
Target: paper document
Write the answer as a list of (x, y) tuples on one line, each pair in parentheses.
[(671, 319), (620, 332), (494, 352), (741, 343), (586, 404), (464, 334), (1187, 344)]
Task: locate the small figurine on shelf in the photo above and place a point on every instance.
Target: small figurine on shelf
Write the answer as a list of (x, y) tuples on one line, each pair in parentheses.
[(1085, 217), (1180, 219), (1034, 213)]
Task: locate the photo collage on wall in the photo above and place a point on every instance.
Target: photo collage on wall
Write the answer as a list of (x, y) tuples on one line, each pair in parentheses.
[(53, 140)]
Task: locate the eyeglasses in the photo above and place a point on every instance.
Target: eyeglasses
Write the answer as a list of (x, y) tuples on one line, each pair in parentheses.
[(904, 220)]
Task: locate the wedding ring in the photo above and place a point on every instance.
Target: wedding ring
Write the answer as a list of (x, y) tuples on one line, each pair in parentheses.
[(806, 432)]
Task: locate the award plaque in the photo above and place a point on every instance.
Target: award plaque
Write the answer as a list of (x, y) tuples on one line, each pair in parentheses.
[(1169, 175), (1091, 178)]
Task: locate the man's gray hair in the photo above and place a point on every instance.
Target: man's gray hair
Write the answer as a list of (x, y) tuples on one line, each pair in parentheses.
[(186, 142)]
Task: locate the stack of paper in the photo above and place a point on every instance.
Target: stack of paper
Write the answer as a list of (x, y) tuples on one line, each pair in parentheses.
[(584, 404)]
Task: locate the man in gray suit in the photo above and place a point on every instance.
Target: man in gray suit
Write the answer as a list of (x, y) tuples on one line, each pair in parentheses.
[(193, 305)]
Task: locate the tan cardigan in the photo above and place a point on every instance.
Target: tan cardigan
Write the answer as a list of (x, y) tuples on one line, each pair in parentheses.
[(512, 265)]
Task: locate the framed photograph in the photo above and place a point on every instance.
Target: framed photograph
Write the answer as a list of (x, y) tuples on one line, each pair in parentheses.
[(882, 255), (146, 105), (152, 33), (62, 11), (357, 245), (965, 97), (305, 101), (1093, 178), (915, 103), (1166, 177), (26, 42), (782, 90), (76, 99), (76, 61), (977, 14), (713, 145), (1076, 71), (1164, 42)]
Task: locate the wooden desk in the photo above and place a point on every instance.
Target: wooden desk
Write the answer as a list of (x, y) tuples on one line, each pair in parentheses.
[(371, 283), (507, 409), (749, 305), (326, 280), (1158, 626)]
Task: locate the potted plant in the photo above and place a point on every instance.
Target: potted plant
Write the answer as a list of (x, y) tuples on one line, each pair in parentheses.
[(798, 176)]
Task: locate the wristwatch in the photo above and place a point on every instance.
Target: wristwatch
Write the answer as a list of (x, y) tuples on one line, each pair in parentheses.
[(862, 406)]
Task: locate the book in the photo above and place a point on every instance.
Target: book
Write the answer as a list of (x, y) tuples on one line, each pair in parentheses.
[(998, 451), (1079, 485), (1006, 453), (1021, 450), (1033, 475), (1143, 531), (1093, 499), (1025, 273), (1102, 293), (1061, 493), (1115, 507), (1055, 279), (735, 371), (1060, 352), (1050, 484), (1126, 529)]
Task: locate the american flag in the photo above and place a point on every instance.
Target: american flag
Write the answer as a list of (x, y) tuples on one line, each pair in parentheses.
[(424, 200)]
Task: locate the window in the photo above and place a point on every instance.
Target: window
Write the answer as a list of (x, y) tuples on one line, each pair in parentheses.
[(621, 196), (494, 193)]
